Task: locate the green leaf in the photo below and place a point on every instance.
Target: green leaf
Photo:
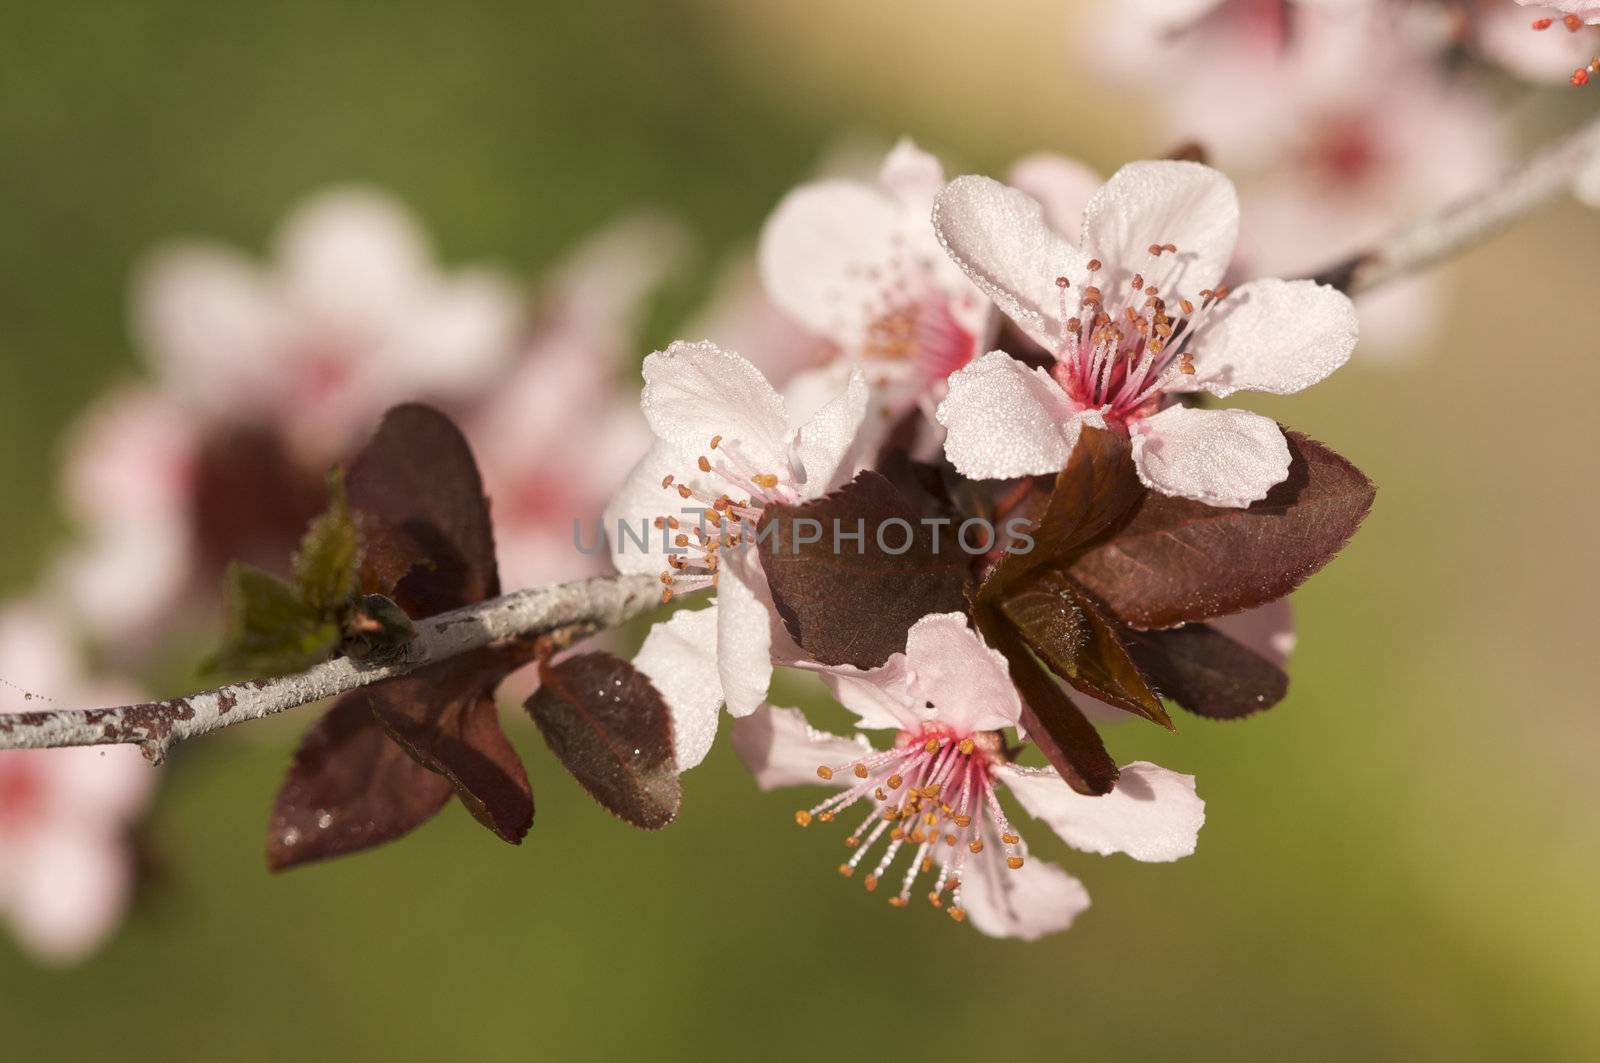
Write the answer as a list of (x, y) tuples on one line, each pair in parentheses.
[(267, 629), (330, 552), (1080, 644)]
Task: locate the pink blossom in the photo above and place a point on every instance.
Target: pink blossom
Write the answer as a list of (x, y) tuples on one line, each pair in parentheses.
[(934, 794), (66, 865), (726, 443), (1588, 10), (857, 263), (1135, 316)]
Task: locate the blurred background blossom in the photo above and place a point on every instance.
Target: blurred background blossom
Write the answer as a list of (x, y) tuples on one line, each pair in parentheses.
[(513, 207)]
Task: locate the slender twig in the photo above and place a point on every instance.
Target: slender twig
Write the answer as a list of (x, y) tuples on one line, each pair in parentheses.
[(1432, 238), (562, 612)]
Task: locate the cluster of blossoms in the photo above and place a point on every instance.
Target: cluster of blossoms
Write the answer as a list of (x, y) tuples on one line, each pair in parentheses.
[(259, 377), (1008, 342)]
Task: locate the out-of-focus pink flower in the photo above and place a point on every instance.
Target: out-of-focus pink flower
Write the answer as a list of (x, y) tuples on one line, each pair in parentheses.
[(1338, 124), (1135, 316), (351, 317), (555, 439), (739, 316), (66, 863), (934, 793)]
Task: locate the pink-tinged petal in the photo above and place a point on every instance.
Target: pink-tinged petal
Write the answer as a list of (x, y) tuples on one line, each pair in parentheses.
[(354, 260), (1000, 238), (210, 326), (1027, 903), (1185, 204), (781, 749), (968, 683), (1402, 318), (601, 289), (1062, 186), (1588, 10), (1586, 186), (68, 890), (1503, 34), (1273, 335), (630, 516), (913, 175), (745, 621), (459, 337), (1004, 419), (695, 391), (820, 251), (1267, 630), (129, 456), (1153, 815), (680, 658), (827, 444), (1219, 457), (741, 316), (125, 579), (878, 696)]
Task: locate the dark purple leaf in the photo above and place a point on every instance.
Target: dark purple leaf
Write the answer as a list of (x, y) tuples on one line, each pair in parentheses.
[(349, 788), (1177, 560), (606, 722), (418, 476), (1053, 722), (1209, 673), (855, 604), (251, 501), (1080, 644), (445, 717)]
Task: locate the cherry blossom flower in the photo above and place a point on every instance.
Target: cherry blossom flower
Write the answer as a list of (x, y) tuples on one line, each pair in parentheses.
[(1134, 316), (858, 263), (1587, 10), (934, 793), (66, 865), (725, 447), (1504, 34)]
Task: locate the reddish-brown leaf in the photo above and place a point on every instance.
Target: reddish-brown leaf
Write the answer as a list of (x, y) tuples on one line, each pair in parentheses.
[(855, 604), (1080, 644), (445, 717), (1067, 739), (349, 788), (418, 476), (1177, 560), (607, 723), (1209, 673)]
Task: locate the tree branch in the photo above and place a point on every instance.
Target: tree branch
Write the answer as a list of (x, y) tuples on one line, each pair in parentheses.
[(1432, 238), (564, 612)]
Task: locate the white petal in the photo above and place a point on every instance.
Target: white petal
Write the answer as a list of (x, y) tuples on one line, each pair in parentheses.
[(630, 515), (1185, 204), (694, 391), (458, 337), (913, 175), (354, 259), (745, 619), (680, 657), (1586, 186), (1273, 335), (999, 236), (1005, 419), (1267, 630), (69, 890), (820, 249), (1034, 900), (209, 325), (1220, 457), (827, 443), (967, 682), (781, 749), (1153, 814), (877, 696), (1062, 186)]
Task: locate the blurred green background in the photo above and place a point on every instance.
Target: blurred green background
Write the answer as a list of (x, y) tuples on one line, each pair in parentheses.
[(1399, 863)]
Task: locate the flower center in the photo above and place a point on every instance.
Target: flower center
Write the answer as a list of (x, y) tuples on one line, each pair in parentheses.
[(923, 332), (731, 492), (1121, 360), (934, 790)]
